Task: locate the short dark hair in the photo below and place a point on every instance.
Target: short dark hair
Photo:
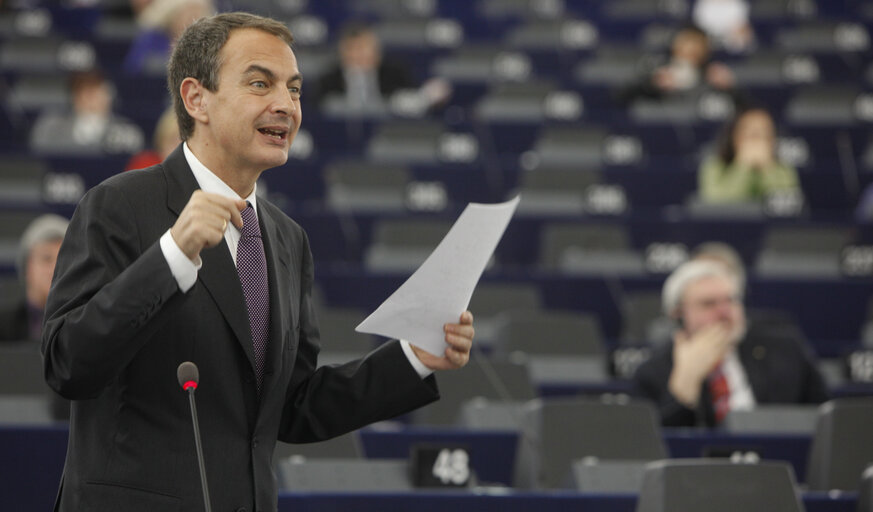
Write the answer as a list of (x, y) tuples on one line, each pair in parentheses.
[(198, 55)]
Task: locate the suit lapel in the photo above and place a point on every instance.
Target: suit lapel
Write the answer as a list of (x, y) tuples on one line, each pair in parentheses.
[(218, 274)]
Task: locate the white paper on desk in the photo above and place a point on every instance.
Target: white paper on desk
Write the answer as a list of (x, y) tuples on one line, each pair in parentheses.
[(440, 290)]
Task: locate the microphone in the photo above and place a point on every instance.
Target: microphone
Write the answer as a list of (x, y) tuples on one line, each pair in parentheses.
[(189, 376)]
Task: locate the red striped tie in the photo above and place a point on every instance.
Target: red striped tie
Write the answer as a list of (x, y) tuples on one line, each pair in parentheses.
[(720, 392)]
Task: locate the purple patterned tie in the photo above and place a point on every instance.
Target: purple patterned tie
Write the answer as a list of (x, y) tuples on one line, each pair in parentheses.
[(251, 264)]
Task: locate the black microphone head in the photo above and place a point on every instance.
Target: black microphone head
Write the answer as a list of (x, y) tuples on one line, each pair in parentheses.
[(188, 375)]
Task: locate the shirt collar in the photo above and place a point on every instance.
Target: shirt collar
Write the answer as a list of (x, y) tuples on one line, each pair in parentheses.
[(209, 182)]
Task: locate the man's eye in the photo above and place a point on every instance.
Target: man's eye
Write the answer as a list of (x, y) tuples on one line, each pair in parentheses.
[(259, 84)]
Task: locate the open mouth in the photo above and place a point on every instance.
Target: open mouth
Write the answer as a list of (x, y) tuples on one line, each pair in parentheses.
[(275, 133)]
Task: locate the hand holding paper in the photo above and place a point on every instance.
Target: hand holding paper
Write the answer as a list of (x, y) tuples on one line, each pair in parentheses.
[(440, 290)]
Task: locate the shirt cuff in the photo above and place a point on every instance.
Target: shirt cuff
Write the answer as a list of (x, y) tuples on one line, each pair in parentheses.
[(183, 269), (417, 365)]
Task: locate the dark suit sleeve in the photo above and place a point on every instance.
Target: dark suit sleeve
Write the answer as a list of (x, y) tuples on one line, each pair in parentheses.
[(651, 382), (815, 391), (108, 286), (330, 401)]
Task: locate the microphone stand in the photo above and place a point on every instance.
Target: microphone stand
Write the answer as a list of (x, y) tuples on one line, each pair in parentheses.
[(197, 442)]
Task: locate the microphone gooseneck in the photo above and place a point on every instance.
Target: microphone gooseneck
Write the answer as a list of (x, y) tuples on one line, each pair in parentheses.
[(189, 376)]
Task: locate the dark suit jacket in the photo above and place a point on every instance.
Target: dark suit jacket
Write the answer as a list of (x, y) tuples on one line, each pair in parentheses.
[(118, 327), (391, 76), (779, 367)]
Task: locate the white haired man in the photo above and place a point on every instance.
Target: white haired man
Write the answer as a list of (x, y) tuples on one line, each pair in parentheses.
[(37, 254), (716, 363)]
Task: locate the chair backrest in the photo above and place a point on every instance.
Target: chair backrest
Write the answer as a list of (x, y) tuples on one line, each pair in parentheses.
[(718, 486), (557, 432), (843, 444), (359, 186), (344, 475), (21, 370), (337, 329), (774, 418), (865, 496), (489, 378), (549, 333)]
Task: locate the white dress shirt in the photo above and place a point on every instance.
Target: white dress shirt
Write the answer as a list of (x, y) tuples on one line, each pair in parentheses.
[(185, 270), (741, 398)]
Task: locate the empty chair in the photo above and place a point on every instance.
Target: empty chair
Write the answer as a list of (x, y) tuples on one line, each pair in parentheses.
[(480, 413), (811, 252), (571, 147), (498, 9), (518, 102), (556, 191), (34, 93), (21, 180), (338, 335), (842, 446), (822, 105), (24, 395), (773, 68), (426, 142), (643, 9), (773, 418), (556, 34), (45, 55), (561, 347), (826, 36), (593, 248), (421, 33), (718, 486), (611, 65), (483, 64), (643, 319), (12, 225), (865, 496), (21, 369), (490, 299), (402, 245), (556, 333), (363, 186), (344, 475), (608, 476), (494, 379), (557, 432), (347, 446)]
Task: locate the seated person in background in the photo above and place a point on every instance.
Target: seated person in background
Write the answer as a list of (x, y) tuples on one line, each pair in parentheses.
[(162, 22), (37, 255), (364, 79), (716, 363), (745, 167), (164, 141), (687, 68), (726, 22), (90, 128)]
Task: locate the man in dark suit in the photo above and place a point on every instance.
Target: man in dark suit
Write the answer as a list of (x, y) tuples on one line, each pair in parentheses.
[(716, 363), (182, 261), (362, 76)]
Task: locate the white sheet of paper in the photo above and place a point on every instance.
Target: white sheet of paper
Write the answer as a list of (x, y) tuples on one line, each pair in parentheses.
[(440, 290)]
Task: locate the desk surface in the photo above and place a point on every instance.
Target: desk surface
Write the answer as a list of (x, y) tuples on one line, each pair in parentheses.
[(33, 457)]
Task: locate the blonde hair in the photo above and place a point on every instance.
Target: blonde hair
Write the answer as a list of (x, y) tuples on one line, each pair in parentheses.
[(161, 14)]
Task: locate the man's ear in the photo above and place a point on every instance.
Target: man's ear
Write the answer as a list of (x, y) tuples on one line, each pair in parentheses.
[(192, 92)]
